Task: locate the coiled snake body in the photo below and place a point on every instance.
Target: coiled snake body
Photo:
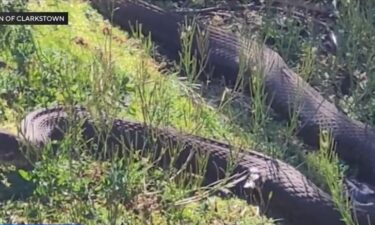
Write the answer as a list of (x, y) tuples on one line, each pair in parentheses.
[(294, 196)]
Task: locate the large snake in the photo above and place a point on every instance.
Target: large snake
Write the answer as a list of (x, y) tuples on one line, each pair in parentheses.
[(254, 176), (287, 92), (294, 196)]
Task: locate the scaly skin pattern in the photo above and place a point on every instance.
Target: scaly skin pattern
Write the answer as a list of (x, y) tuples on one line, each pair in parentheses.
[(293, 196), (284, 89)]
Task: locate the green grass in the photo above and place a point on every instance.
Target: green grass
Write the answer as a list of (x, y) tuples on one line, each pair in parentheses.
[(96, 65), (93, 64)]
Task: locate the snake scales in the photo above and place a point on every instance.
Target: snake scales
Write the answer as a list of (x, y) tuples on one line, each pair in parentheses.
[(294, 196), (285, 90)]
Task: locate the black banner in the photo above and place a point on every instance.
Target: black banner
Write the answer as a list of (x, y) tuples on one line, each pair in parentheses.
[(33, 18)]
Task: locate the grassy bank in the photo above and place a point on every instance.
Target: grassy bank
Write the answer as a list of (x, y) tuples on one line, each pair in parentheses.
[(93, 64)]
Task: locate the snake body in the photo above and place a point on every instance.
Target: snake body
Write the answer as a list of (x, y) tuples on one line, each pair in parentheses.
[(294, 197), (286, 92)]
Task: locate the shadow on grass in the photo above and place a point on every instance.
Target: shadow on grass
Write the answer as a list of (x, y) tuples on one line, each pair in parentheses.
[(17, 188)]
